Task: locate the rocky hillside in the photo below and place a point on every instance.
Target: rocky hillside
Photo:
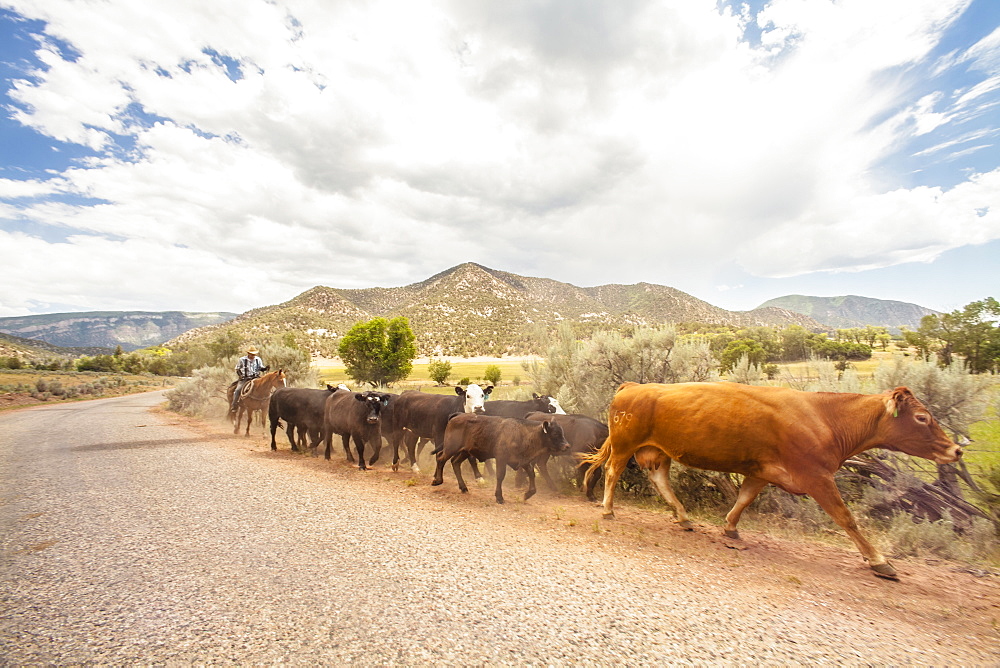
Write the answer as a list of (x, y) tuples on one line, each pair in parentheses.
[(107, 329), (472, 309), (853, 311)]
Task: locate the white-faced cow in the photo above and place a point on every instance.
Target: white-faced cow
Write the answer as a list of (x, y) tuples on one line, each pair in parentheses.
[(417, 415), (511, 441), (795, 440), (301, 409), (355, 415), (585, 436)]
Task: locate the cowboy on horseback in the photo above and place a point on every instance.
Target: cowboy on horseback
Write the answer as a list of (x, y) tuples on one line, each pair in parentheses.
[(249, 366)]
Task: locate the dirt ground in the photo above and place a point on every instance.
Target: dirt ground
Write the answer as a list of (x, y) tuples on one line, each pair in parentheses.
[(952, 600)]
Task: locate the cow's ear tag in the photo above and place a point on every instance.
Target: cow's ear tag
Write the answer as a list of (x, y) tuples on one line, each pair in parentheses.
[(895, 413)]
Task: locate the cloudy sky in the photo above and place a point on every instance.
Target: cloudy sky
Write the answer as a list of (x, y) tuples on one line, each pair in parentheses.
[(224, 155)]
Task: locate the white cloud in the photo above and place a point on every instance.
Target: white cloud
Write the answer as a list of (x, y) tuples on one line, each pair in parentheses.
[(378, 143)]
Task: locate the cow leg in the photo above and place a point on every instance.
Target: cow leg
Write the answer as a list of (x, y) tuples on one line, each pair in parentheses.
[(359, 443), (421, 445), (749, 490), (377, 447), (825, 491), (328, 435), (529, 470), (543, 468), (501, 473), (295, 444), (315, 437), (476, 475), (660, 477), (456, 463), (346, 438), (439, 469), (274, 430), (613, 470), (410, 440)]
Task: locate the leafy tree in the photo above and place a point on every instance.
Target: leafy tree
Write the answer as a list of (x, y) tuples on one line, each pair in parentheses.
[(379, 352), (752, 349), (106, 363), (492, 374), (970, 332), (11, 362), (439, 370), (794, 343), (227, 344)]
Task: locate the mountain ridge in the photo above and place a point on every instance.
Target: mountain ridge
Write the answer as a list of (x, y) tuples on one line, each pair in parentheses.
[(107, 329), (472, 309), (848, 311)]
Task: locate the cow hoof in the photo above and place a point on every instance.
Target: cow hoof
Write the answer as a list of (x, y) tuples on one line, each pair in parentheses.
[(481, 482), (415, 468), (608, 515), (731, 533), (885, 571), (435, 483), (395, 467), (499, 500), (687, 525)]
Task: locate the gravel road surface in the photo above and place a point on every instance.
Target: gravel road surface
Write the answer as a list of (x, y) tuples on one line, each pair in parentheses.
[(135, 536)]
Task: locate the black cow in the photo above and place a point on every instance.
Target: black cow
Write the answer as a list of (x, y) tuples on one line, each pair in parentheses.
[(542, 403), (511, 441), (302, 410), (357, 415), (418, 415), (585, 436)]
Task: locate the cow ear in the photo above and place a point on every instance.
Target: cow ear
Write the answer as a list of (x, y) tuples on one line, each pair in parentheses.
[(534, 395), (898, 398), (488, 391), (545, 427), (359, 397), (385, 401), (459, 391)]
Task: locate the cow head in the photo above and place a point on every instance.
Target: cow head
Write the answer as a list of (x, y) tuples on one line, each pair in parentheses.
[(374, 402), (909, 427), (475, 397), (552, 436), (547, 404)]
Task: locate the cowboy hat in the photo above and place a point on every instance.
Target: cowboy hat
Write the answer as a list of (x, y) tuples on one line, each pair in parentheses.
[(252, 351)]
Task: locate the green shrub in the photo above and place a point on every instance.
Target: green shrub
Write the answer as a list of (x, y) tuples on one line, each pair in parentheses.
[(492, 374)]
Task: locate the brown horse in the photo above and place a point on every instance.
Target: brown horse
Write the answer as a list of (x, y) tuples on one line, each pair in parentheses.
[(254, 398)]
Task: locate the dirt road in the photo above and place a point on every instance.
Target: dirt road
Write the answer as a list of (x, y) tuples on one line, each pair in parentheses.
[(135, 536)]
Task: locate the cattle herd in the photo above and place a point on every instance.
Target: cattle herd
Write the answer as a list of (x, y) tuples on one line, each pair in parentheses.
[(793, 439)]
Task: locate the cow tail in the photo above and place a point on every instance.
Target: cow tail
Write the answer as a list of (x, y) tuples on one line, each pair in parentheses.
[(596, 460)]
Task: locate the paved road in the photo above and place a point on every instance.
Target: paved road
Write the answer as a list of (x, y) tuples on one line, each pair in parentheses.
[(126, 539)]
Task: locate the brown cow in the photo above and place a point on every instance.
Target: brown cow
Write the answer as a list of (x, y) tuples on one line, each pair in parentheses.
[(511, 441), (795, 440)]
